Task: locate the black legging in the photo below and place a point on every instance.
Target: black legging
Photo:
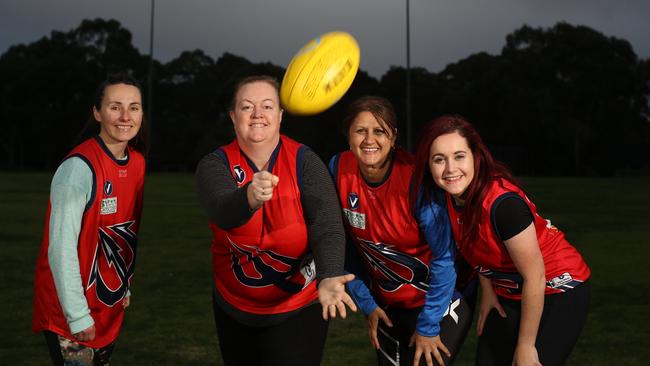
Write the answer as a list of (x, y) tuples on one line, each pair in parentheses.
[(562, 321), (453, 330), (299, 340)]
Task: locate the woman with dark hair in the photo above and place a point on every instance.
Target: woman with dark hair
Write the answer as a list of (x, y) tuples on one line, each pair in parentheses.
[(278, 241), (534, 279), (87, 256), (407, 257)]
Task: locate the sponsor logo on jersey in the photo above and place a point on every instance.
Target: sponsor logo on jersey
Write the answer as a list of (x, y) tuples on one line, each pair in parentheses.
[(394, 269), (355, 219), (563, 282), (255, 267), (113, 262), (551, 228), (353, 200), (239, 173), (123, 173), (109, 206)]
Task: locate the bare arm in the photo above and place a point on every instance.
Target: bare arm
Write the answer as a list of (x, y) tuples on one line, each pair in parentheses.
[(527, 257)]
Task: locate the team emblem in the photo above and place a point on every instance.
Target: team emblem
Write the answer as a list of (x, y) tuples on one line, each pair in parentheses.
[(255, 267), (113, 263), (240, 174), (353, 200), (108, 187), (395, 269)]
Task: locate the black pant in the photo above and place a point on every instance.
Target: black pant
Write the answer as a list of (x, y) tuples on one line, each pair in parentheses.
[(562, 321), (453, 330), (299, 340)]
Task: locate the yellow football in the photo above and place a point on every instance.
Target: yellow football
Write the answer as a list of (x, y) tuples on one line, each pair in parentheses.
[(320, 73)]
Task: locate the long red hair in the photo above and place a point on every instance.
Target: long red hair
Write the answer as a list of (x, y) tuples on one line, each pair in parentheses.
[(486, 169)]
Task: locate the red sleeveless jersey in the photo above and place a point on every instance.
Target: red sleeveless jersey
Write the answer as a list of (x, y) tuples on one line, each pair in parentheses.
[(387, 236), (564, 266), (106, 247), (265, 265)]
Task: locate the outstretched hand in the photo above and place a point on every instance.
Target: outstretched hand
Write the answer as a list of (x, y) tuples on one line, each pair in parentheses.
[(333, 298)]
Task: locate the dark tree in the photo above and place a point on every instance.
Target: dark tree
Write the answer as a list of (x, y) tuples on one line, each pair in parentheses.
[(564, 100), (556, 101), (47, 88)]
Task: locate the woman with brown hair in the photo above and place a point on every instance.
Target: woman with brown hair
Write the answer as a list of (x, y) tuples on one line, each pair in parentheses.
[(278, 241), (87, 256), (407, 254)]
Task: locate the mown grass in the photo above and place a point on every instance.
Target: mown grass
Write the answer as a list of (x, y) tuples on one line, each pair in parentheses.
[(170, 319)]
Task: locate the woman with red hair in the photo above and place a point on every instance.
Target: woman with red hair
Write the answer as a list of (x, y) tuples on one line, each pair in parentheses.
[(534, 279)]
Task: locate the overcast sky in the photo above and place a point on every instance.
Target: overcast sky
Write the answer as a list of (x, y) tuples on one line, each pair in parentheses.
[(442, 31)]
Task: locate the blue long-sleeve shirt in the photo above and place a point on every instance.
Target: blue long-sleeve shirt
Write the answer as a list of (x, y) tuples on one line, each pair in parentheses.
[(434, 223)]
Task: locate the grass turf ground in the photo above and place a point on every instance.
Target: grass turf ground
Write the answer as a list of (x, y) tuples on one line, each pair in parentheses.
[(170, 318)]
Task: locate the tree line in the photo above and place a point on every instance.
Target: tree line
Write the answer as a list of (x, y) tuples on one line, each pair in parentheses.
[(565, 100)]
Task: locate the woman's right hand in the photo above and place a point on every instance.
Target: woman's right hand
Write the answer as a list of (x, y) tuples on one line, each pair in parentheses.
[(373, 323), (86, 335), (261, 188), (488, 301)]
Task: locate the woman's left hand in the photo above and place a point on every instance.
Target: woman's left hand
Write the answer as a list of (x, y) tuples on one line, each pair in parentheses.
[(332, 296), (126, 301), (428, 346)]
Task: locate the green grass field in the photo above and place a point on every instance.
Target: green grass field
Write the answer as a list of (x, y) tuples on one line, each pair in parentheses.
[(170, 318)]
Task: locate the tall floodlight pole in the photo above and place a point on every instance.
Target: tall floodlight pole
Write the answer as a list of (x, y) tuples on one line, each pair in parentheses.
[(150, 77), (408, 78)]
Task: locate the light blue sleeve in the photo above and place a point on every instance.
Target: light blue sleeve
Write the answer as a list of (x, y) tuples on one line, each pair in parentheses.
[(434, 223), (70, 192)]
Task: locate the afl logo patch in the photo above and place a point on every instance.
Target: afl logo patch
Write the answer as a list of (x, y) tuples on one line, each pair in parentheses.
[(108, 188), (353, 200), (240, 174)]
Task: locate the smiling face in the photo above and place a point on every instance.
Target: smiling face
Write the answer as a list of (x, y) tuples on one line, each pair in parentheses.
[(370, 142), (120, 114), (256, 113), (452, 164)]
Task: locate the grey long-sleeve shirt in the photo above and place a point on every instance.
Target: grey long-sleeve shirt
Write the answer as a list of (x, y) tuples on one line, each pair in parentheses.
[(227, 206)]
